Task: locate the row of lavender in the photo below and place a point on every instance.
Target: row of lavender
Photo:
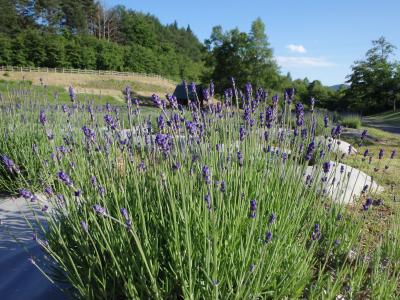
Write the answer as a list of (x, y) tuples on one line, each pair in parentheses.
[(202, 202)]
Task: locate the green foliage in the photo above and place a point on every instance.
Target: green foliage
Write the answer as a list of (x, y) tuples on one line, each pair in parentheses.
[(373, 85), (83, 34), (350, 121), (247, 57)]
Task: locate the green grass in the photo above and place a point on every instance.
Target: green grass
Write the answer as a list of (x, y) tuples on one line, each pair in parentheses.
[(121, 84), (24, 91), (389, 117), (350, 121)]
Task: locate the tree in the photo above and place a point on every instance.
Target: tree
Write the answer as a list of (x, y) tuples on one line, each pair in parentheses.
[(246, 57), (372, 87)]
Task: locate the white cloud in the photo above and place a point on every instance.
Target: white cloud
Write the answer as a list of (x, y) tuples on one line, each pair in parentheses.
[(301, 62), (296, 48)]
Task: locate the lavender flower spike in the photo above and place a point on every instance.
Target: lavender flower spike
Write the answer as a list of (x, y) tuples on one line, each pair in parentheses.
[(99, 210), (65, 178)]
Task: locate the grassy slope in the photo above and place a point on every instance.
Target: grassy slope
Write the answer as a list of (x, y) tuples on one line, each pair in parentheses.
[(110, 85), (389, 117), (384, 219)]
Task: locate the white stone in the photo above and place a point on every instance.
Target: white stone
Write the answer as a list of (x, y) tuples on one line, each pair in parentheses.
[(348, 185)]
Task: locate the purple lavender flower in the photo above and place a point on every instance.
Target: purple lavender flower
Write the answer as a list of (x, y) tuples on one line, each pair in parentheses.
[(42, 118), (93, 180), (176, 166), (48, 190), (160, 122), (84, 226), (381, 152), (268, 237), (72, 94), (206, 174), (299, 114), (25, 194), (248, 89), (207, 199), (272, 218), (326, 166), (99, 210), (206, 94), (316, 235), (102, 191), (191, 127), (266, 135), (310, 151), (9, 164), (45, 208), (108, 119), (128, 222), (89, 133), (193, 87), (223, 186), (65, 178), (304, 133), (242, 133), (269, 116), (240, 158), (336, 131), (127, 93), (364, 134), (252, 267), (289, 94), (156, 100), (253, 208), (366, 153), (393, 154), (164, 142), (367, 204)]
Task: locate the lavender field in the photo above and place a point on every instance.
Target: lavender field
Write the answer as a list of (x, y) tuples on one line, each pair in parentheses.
[(219, 201)]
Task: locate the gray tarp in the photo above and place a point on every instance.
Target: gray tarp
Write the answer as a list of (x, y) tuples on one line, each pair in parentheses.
[(19, 278)]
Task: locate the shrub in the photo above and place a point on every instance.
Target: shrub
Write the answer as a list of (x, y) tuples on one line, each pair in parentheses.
[(212, 203), (350, 121)]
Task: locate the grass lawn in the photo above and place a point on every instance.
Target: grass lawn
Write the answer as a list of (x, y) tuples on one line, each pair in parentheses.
[(20, 91), (106, 85), (389, 117)]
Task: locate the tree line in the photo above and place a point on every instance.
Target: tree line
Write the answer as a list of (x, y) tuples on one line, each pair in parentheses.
[(84, 34)]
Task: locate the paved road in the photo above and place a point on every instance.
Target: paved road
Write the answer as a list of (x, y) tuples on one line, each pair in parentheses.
[(382, 126)]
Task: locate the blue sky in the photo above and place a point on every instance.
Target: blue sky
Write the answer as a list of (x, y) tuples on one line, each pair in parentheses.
[(315, 39)]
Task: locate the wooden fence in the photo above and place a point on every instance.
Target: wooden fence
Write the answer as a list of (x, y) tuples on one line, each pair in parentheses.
[(78, 71)]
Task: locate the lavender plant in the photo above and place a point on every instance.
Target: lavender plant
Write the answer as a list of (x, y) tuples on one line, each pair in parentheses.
[(196, 204)]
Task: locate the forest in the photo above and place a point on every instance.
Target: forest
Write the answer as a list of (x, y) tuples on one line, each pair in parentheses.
[(86, 35)]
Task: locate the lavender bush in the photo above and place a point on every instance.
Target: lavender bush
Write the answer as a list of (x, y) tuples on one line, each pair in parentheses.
[(197, 203)]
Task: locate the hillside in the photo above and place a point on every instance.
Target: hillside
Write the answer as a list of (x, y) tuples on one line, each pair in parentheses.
[(106, 85), (337, 87), (82, 34)]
